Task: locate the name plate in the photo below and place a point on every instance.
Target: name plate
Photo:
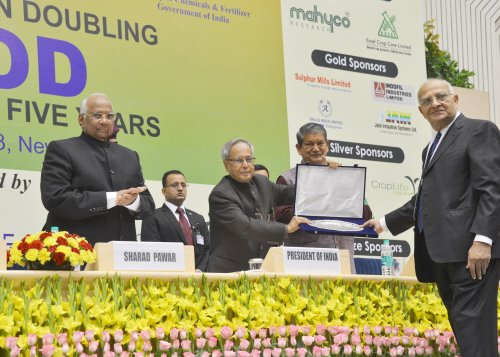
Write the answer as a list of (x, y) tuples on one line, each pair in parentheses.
[(150, 256), (307, 260)]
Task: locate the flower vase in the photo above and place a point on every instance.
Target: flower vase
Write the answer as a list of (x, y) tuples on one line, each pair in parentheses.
[(50, 265)]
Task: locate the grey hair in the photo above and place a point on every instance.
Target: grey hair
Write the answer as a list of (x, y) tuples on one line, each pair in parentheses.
[(308, 129), (226, 148), (83, 106), (450, 88)]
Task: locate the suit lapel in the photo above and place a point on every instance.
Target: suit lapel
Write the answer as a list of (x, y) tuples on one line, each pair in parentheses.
[(453, 133), (174, 223)]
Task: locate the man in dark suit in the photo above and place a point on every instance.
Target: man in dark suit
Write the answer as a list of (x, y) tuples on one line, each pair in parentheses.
[(241, 212), (166, 225), (90, 186), (456, 217)]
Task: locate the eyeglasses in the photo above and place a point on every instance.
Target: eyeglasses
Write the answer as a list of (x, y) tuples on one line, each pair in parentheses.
[(309, 144), (177, 185), (440, 97), (248, 160), (99, 116)]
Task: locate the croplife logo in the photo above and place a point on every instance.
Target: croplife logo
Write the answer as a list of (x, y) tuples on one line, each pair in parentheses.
[(317, 17), (387, 28)]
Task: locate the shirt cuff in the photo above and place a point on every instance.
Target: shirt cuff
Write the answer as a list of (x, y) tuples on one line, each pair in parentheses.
[(484, 239), (383, 224), (110, 199), (136, 205)]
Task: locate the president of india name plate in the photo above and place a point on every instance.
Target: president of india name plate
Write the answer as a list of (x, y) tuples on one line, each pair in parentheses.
[(335, 225)]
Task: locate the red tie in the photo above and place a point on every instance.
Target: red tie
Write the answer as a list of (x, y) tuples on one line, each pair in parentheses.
[(186, 228)]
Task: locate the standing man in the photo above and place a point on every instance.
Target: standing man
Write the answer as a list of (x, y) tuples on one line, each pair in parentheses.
[(456, 217), (312, 146), (90, 186), (241, 212), (175, 223)]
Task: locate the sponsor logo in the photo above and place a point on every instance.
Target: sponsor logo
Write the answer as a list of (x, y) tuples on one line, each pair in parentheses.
[(396, 123), (371, 247), (323, 82), (325, 108), (387, 28), (405, 186), (369, 152), (354, 64), (318, 20), (389, 43), (393, 93)]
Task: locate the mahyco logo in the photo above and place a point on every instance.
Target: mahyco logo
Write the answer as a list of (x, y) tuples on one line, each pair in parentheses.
[(387, 28), (324, 18)]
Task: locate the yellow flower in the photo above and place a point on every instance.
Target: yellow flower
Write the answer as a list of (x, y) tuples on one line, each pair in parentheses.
[(64, 249), (43, 256), (50, 241), (32, 255)]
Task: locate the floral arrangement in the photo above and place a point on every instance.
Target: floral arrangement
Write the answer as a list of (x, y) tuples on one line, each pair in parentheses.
[(287, 341), (44, 248), (266, 316)]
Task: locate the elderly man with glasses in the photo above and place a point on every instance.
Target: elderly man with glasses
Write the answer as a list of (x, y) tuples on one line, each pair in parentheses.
[(173, 222), (90, 186), (242, 225)]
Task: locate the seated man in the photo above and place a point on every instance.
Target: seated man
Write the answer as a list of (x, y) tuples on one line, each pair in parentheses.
[(312, 145), (241, 212), (172, 222), (90, 186), (261, 170)]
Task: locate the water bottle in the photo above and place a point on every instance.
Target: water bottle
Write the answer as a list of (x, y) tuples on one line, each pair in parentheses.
[(54, 229), (387, 259)]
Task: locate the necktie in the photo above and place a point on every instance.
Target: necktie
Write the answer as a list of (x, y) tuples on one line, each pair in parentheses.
[(420, 219), (186, 228)]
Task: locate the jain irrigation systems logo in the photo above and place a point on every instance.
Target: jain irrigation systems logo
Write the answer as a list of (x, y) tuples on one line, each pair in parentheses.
[(318, 20), (387, 28)]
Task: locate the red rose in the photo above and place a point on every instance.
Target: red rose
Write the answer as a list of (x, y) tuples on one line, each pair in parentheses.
[(45, 235), (59, 258), (23, 247), (35, 245), (86, 245), (62, 241), (52, 249), (74, 250)]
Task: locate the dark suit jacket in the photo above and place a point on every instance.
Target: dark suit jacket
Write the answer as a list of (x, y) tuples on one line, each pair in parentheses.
[(76, 175), (242, 221), (460, 191), (163, 226)]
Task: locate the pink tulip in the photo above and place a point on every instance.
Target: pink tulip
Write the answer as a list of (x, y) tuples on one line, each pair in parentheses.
[(134, 336), (387, 330), (257, 343), (89, 335), (368, 339), (186, 345), (244, 344), (164, 345), (325, 351), (335, 349), (366, 330), (78, 336), (253, 334), (33, 351), (125, 354), (188, 354), (176, 344), (108, 354), (255, 353), (65, 348), (348, 350), (11, 342), (272, 330), (282, 331), (289, 352), (118, 348), (204, 354), (93, 346), (377, 330), (240, 333), (267, 343), (319, 339), (79, 347), (276, 352), (209, 332), (411, 352), (316, 351), (183, 334), (15, 351), (226, 332), (229, 354), (367, 350), (359, 349), (145, 335), (147, 347), (293, 341), (228, 345), (243, 354), (282, 342), (118, 336), (174, 334), (419, 350), (200, 343), (48, 339), (405, 340), (32, 339), (293, 330), (47, 350), (131, 346), (212, 342), (160, 333), (198, 332), (379, 351), (393, 352), (307, 340), (262, 333), (266, 352), (305, 329), (62, 338), (429, 351), (320, 329), (301, 352)]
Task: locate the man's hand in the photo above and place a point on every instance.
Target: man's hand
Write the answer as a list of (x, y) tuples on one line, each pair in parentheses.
[(375, 223), (126, 197), (294, 223), (478, 259), (333, 164)]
